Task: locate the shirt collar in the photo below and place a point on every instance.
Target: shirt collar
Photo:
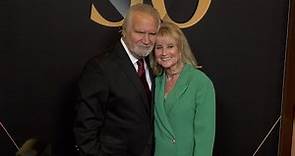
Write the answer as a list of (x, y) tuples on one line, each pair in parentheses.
[(131, 57)]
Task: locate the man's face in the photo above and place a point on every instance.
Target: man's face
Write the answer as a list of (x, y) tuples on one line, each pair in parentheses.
[(141, 34)]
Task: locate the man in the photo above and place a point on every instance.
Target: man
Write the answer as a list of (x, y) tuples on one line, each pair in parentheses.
[(115, 112)]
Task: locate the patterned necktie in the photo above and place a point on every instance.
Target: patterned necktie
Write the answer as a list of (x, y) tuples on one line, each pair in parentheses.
[(141, 74)]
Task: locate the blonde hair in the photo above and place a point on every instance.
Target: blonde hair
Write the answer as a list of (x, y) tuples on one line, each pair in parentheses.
[(142, 8), (171, 30)]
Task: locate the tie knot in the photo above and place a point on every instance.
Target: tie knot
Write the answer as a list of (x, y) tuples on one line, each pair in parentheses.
[(140, 64)]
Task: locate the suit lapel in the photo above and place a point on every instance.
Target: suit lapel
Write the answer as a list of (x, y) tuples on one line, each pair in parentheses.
[(128, 69), (152, 76)]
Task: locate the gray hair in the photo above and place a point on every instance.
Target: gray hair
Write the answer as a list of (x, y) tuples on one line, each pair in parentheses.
[(142, 8)]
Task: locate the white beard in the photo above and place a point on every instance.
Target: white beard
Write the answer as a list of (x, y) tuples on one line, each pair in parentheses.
[(142, 52)]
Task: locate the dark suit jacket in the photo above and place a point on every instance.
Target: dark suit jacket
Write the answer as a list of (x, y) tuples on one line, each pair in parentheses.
[(114, 117)]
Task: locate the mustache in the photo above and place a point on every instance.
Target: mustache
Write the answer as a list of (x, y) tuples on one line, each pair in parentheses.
[(146, 46)]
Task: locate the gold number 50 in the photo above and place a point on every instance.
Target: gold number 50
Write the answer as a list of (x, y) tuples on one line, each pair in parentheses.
[(199, 13)]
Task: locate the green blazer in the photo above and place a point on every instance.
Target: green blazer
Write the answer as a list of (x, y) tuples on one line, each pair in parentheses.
[(185, 119)]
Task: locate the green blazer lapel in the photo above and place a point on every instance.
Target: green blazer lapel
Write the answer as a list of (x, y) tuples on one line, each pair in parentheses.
[(180, 87), (183, 81), (160, 113)]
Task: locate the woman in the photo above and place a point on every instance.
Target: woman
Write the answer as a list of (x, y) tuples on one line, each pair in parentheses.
[(184, 98)]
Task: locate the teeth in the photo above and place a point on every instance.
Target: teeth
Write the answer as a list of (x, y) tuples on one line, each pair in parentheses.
[(166, 59)]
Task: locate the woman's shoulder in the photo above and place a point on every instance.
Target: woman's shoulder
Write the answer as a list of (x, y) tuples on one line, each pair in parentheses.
[(197, 74)]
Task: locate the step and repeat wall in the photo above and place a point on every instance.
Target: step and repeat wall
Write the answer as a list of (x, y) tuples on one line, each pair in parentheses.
[(45, 43)]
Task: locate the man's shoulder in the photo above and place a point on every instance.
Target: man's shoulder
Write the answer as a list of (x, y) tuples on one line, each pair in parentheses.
[(104, 56), (100, 57)]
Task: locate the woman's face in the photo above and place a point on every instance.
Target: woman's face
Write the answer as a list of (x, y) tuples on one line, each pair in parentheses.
[(167, 53)]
